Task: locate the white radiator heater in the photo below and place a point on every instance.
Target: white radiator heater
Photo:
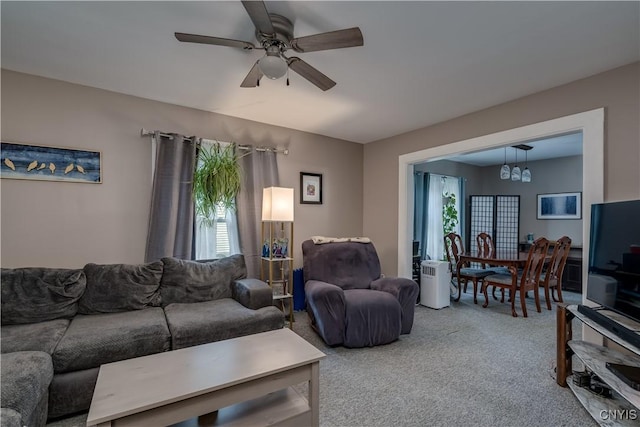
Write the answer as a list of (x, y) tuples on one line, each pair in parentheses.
[(435, 278)]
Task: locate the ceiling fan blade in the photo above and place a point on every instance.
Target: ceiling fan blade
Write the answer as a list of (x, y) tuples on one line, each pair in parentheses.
[(253, 78), (258, 13), (310, 73), (332, 40), (194, 38)]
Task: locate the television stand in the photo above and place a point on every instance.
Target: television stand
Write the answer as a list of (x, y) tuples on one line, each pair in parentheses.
[(608, 322), (624, 406), (629, 374)]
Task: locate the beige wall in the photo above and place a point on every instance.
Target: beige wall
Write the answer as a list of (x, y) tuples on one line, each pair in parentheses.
[(69, 224), (617, 91), (63, 224)]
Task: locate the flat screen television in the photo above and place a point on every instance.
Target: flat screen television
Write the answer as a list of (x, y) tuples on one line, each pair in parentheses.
[(614, 257)]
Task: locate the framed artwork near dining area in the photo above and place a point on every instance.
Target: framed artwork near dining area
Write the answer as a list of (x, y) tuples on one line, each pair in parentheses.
[(560, 206)]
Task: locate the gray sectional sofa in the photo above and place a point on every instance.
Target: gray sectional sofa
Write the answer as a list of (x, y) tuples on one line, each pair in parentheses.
[(60, 325)]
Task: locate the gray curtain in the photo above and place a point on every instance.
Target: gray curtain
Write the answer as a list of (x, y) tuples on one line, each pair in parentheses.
[(172, 208), (420, 210), (259, 170)]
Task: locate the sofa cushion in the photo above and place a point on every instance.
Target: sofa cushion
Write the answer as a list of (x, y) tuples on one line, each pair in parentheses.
[(24, 386), (204, 322), (191, 281), (93, 340), (372, 318), (42, 336), (349, 265), (71, 392), (32, 295), (114, 288)]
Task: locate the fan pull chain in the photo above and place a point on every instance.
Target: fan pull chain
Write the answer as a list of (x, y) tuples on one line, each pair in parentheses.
[(258, 82), (287, 76)]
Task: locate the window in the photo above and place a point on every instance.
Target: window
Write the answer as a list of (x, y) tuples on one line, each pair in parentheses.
[(216, 237), (440, 189)]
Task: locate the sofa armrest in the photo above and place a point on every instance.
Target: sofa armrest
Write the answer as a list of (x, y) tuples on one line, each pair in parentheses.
[(406, 291), (397, 286), (252, 293)]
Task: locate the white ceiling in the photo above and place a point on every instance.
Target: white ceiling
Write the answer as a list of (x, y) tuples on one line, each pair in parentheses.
[(421, 63), (548, 148)]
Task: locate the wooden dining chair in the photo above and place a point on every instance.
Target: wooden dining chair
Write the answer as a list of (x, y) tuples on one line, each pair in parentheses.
[(551, 278), (528, 280), (453, 248), (486, 249)]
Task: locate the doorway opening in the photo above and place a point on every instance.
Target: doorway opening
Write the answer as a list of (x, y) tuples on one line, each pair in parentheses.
[(590, 123)]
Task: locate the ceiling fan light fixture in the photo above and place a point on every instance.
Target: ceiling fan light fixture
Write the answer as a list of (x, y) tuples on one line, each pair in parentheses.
[(273, 67), (274, 34), (272, 64)]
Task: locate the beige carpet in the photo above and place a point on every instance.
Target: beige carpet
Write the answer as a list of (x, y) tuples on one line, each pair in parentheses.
[(460, 366)]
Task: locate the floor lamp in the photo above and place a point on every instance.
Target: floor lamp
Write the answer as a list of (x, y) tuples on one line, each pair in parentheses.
[(277, 207)]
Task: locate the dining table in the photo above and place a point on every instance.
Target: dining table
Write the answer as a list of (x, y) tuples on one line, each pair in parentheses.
[(508, 259)]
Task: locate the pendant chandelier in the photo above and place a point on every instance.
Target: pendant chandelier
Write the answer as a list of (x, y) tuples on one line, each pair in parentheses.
[(515, 173)]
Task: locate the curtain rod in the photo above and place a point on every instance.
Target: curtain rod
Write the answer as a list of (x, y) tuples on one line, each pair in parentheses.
[(285, 151)]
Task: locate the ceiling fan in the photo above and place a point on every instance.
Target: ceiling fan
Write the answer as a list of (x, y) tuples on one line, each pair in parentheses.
[(275, 35)]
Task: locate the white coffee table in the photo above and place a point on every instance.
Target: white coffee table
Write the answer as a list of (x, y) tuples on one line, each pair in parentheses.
[(248, 379)]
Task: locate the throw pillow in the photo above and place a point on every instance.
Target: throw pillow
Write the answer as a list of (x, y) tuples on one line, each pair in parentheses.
[(186, 281), (31, 295), (114, 288)]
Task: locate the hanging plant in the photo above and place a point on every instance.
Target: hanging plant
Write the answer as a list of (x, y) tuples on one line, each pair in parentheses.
[(217, 178)]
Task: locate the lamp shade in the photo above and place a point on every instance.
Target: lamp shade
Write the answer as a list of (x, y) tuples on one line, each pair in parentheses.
[(277, 204), (505, 172), (273, 67), (515, 173)]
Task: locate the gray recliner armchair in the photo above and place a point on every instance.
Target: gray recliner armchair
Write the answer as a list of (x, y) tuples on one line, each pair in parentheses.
[(348, 301)]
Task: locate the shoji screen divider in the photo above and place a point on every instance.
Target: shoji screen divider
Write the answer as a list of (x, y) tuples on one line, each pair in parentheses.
[(500, 217)]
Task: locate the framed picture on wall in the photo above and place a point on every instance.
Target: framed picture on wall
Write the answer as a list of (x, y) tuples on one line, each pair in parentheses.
[(560, 206), (311, 188), (45, 163)]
